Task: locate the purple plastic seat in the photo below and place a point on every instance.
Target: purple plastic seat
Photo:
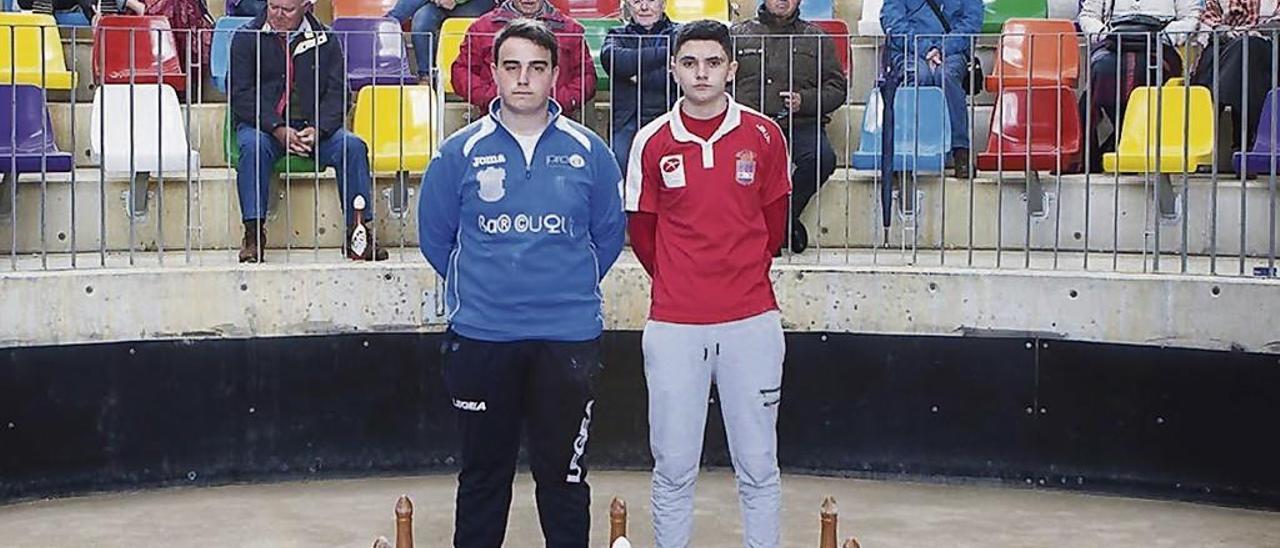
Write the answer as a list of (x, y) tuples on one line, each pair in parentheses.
[(375, 51), (26, 141), (1259, 159)]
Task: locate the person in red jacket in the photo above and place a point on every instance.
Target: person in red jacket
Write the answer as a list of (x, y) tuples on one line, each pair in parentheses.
[(472, 76)]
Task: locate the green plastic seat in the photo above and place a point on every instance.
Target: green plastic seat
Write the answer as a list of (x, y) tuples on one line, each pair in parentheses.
[(595, 30), (996, 12), (288, 164)]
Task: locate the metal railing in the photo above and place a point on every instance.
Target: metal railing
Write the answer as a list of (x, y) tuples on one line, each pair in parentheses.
[(1071, 216)]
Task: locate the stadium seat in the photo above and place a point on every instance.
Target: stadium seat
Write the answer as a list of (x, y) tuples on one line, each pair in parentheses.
[(869, 24), (928, 153), (1036, 52), (375, 51), (589, 9), (1046, 137), (682, 11), (139, 131), (26, 141), (596, 29), (286, 164), (451, 35), (398, 124), (220, 57), (817, 9), (996, 12), (31, 52), (1180, 122), (136, 49), (361, 8), (839, 31), (1264, 150)]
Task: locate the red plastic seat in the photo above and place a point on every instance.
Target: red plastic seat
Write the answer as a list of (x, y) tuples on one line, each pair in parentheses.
[(839, 31), (1023, 140), (1045, 52), (589, 9), (137, 49)]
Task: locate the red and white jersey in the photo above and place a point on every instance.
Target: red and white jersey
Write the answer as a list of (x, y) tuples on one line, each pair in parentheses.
[(712, 262)]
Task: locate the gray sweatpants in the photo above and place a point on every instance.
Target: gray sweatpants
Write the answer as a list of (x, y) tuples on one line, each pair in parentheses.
[(744, 359)]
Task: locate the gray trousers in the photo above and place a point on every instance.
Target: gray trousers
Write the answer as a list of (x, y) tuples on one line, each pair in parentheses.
[(744, 359)]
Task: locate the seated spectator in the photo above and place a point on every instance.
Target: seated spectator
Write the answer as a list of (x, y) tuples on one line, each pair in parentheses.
[(1238, 49), (637, 60), (472, 73), (275, 115), (921, 54), (788, 70), (86, 7), (1126, 34), (428, 16)]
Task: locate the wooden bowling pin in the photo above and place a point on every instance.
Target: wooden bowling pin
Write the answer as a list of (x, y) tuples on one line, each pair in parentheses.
[(827, 537), (404, 522), (617, 520)]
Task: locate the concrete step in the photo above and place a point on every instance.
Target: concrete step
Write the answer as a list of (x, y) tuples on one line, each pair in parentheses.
[(205, 214)]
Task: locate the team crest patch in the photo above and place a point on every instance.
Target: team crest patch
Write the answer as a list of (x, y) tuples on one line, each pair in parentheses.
[(745, 170), (491, 179), (672, 168)]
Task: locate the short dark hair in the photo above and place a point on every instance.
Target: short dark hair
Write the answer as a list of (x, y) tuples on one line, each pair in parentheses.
[(531, 30), (703, 29)]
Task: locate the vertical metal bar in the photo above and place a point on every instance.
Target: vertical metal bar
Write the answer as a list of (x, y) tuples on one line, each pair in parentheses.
[(1271, 181), (13, 140), (1160, 171), (973, 51), (1213, 192), (1089, 141), (101, 95), (1057, 136), (1186, 150), (186, 236), (44, 175), (48, 129), (1026, 235), (1116, 123), (1244, 208), (133, 175)]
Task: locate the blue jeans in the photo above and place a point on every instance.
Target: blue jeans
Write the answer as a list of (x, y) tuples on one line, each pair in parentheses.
[(248, 8), (259, 151), (427, 19), (953, 71)]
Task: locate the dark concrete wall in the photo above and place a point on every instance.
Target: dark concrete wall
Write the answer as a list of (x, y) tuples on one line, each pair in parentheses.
[(1152, 421)]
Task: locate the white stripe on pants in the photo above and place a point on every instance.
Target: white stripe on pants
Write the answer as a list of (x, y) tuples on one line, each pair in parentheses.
[(744, 359)]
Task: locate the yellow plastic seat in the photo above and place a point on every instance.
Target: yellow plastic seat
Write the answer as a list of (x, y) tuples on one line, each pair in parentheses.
[(1142, 150), (451, 35), (683, 11), (397, 123), (31, 52)]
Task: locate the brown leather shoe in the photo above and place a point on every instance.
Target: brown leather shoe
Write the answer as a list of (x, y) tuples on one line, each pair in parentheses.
[(960, 162), (251, 246), (373, 249)]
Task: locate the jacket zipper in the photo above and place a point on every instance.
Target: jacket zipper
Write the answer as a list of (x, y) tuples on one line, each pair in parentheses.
[(288, 77)]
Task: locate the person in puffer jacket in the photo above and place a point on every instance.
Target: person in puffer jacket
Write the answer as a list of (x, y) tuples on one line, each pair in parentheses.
[(472, 76), (637, 60)]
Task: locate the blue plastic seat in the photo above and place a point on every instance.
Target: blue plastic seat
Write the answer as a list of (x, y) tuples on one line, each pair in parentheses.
[(1264, 150), (220, 57), (928, 153), (374, 50), (817, 9)]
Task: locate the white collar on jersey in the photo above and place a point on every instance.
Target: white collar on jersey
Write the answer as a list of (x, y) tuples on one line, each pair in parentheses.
[(732, 119)]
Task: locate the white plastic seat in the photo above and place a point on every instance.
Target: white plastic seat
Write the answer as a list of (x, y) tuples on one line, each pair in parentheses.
[(869, 25), (143, 130)]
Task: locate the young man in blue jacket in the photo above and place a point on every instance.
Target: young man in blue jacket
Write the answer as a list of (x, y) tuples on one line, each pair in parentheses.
[(923, 56), (521, 213), (637, 59)]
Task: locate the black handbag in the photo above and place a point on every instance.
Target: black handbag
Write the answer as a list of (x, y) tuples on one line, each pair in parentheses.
[(1134, 33), (974, 76)]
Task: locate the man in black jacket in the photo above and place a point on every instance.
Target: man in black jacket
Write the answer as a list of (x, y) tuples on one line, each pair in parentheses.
[(788, 70), (289, 96)]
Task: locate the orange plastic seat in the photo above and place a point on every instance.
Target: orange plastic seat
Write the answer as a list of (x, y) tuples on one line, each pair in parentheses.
[(1036, 51), (136, 49), (361, 8)]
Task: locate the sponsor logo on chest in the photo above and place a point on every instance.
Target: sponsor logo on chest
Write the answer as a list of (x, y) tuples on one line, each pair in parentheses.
[(575, 161), (744, 171)]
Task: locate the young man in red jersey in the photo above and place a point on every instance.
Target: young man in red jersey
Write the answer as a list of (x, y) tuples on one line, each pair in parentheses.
[(707, 189)]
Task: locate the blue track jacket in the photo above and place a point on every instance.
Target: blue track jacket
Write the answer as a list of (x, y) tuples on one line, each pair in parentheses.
[(522, 246)]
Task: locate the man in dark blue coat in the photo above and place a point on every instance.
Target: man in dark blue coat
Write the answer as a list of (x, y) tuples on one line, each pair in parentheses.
[(636, 58)]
